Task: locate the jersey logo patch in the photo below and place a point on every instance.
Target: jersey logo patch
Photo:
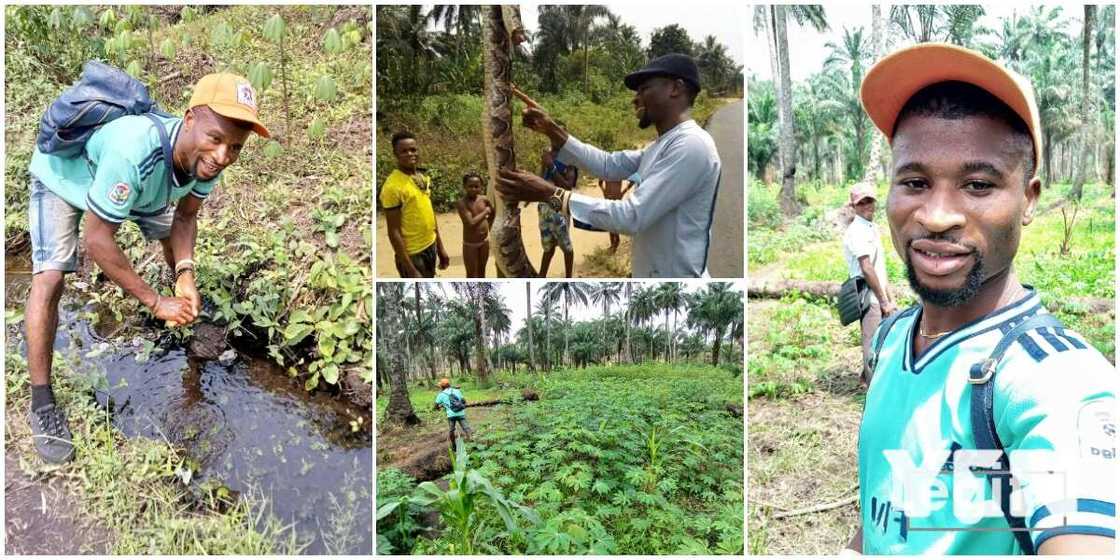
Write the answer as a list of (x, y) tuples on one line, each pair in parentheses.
[(1096, 430), (245, 96), (118, 195)]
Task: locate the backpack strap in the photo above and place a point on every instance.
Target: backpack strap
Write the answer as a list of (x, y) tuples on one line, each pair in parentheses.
[(884, 329), (165, 142), (982, 407)]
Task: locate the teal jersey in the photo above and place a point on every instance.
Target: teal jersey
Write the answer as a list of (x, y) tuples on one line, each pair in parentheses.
[(121, 174), (1054, 400), (444, 399)]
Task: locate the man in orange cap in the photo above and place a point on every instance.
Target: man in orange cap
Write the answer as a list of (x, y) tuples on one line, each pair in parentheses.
[(151, 169), (863, 253), (452, 401), (989, 428)]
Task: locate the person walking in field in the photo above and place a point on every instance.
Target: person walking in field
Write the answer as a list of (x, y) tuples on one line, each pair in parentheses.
[(670, 217), (151, 169), (989, 427), (406, 197), (863, 253), (477, 215), (453, 403)]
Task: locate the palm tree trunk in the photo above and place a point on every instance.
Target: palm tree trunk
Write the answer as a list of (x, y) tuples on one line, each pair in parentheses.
[(399, 409), (1082, 141), (628, 356), (873, 172), (529, 322), (718, 339), (787, 146), (567, 361)]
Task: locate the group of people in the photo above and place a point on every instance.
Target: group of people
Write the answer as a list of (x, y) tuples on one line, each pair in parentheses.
[(414, 233), (669, 217)]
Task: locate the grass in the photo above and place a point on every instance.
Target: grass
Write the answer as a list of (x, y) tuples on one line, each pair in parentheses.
[(628, 459), (134, 485)]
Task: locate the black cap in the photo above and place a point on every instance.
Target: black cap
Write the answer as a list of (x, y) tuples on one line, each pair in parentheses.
[(673, 65)]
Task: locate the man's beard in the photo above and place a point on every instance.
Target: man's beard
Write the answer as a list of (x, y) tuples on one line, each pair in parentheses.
[(644, 121), (949, 298)]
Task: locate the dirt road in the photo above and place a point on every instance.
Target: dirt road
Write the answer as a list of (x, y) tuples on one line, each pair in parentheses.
[(451, 231), (725, 255)]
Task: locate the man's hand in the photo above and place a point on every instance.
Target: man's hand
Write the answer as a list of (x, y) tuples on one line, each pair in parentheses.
[(522, 186), (887, 308), (174, 310), (406, 264), (186, 289), (444, 260), (535, 118)]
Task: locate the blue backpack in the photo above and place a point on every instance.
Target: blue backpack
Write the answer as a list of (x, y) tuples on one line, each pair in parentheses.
[(103, 93), (457, 404)]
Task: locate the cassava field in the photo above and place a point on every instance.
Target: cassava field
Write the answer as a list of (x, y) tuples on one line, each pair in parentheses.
[(595, 457)]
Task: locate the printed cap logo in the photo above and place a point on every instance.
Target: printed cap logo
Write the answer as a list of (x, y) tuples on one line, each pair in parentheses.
[(118, 195), (245, 96)]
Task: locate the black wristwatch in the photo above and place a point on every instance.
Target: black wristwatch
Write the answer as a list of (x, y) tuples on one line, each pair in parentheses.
[(556, 201)]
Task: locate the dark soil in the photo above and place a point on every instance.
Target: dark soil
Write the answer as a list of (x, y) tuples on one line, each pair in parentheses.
[(208, 341)]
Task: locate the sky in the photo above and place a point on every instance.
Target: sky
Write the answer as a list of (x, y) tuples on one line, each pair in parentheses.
[(807, 50), (513, 294), (727, 25)]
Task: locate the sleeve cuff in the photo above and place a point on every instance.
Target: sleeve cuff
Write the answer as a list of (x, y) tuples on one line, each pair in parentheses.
[(1086, 517), (102, 213)]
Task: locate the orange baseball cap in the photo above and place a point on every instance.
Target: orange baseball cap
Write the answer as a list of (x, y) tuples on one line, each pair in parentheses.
[(892, 81), (231, 96), (860, 191)]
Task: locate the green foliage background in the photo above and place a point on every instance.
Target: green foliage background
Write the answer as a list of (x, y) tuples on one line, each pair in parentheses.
[(283, 246)]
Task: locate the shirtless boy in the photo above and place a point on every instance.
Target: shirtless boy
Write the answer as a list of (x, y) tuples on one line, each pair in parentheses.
[(478, 216)]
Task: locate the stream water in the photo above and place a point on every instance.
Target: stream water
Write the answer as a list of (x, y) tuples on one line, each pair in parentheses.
[(246, 424)]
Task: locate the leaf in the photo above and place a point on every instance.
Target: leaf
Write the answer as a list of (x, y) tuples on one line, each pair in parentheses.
[(260, 75), (81, 18), (332, 42), (167, 48), (108, 19), (317, 129), (312, 382), (325, 88), (299, 316), (221, 35), (134, 68), (273, 149), (296, 332), (330, 374), (274, 28)]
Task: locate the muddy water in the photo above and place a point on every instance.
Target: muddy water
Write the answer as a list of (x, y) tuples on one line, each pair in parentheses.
[(246, 425)]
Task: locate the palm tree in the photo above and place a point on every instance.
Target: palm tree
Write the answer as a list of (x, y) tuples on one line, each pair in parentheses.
[(569, 291), (775, 22), (544, 307), (627, 353), (1080, 162), (669, 297), (643, 308), (872, 172), (605, 293), (465, 19), (715, 309), (529, 323), (851, 56), (391, 333), (479, 296)]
